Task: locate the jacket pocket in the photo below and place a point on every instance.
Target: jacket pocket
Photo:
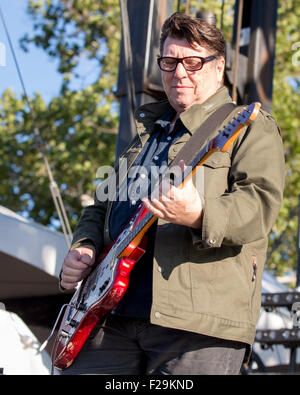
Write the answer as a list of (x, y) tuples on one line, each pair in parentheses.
[(171, 257), (216, 170), (255, 303), (223, 285), (203, 267), (218, 160), (253, 263)]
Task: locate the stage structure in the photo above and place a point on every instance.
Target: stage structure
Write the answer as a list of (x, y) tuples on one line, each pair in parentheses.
[(250, 58), (139, 79)]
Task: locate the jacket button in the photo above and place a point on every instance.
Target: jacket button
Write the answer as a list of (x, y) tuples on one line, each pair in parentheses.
[(142, 115), (159, 269), (157, 314), (212, 241)]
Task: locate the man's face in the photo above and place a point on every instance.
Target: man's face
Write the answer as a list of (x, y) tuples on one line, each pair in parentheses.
[(185, 88)]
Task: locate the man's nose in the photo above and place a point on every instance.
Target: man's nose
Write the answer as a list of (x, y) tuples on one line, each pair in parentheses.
[(180, 71)]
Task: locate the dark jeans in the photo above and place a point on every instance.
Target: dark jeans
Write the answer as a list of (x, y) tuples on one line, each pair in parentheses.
[(133, 346)]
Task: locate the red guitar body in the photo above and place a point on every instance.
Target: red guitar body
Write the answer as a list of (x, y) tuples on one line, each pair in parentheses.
[(67, 346), (65, 355), (103, 289)]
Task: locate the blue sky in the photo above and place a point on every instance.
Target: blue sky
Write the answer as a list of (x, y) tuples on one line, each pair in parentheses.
[(38, 70)]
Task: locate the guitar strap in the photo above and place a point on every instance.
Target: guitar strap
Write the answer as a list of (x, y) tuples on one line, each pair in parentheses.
[(201, 135)]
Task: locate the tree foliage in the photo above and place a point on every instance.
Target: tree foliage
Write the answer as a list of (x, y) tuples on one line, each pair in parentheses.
[(286, 110), (79, 125)]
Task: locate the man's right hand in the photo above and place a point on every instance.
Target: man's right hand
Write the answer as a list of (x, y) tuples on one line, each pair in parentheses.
[(77, 265)]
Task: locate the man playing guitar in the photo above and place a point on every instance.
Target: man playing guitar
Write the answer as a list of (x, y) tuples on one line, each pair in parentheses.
[(194, 296)]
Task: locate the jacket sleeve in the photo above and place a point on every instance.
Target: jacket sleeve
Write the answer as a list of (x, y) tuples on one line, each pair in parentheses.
[(90, 228), (91, 223), (249, 208)]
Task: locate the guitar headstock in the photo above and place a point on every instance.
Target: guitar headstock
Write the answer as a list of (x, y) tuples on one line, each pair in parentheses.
[(230, 132)]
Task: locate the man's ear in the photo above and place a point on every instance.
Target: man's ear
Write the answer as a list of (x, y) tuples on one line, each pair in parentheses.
[(220, 69)]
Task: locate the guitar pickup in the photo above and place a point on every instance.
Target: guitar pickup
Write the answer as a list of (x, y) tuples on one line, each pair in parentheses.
[(81, 307), (101, 289), (73, 323)]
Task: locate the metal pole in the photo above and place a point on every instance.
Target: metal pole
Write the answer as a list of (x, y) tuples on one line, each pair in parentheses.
[(237, 51), (261, 53), (128, 55), (187, 7), (293, 359)]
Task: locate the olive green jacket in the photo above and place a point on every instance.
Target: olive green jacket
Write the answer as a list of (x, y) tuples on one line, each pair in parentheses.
[(209, 280)]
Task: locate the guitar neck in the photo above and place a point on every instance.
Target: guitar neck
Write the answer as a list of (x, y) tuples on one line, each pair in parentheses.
[(136, 230)]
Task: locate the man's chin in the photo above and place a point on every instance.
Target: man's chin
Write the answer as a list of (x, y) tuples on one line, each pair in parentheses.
[(181, 106)]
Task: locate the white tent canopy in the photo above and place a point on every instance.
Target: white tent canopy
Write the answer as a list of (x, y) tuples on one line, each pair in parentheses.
[(31, 256), (19, 348)]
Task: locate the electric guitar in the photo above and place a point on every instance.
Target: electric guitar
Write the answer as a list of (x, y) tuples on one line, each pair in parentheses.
[(103, 289)]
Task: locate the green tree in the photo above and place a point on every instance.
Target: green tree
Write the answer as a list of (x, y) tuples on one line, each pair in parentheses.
[(286, 110), (79, 126)]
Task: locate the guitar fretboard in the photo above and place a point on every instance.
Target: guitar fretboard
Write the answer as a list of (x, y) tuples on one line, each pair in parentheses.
[(133, 233)]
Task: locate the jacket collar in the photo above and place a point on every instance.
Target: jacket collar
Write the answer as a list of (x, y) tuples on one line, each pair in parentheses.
[(147, 114)]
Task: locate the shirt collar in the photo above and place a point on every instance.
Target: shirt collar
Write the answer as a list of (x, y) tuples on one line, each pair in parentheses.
[(166, 118)]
